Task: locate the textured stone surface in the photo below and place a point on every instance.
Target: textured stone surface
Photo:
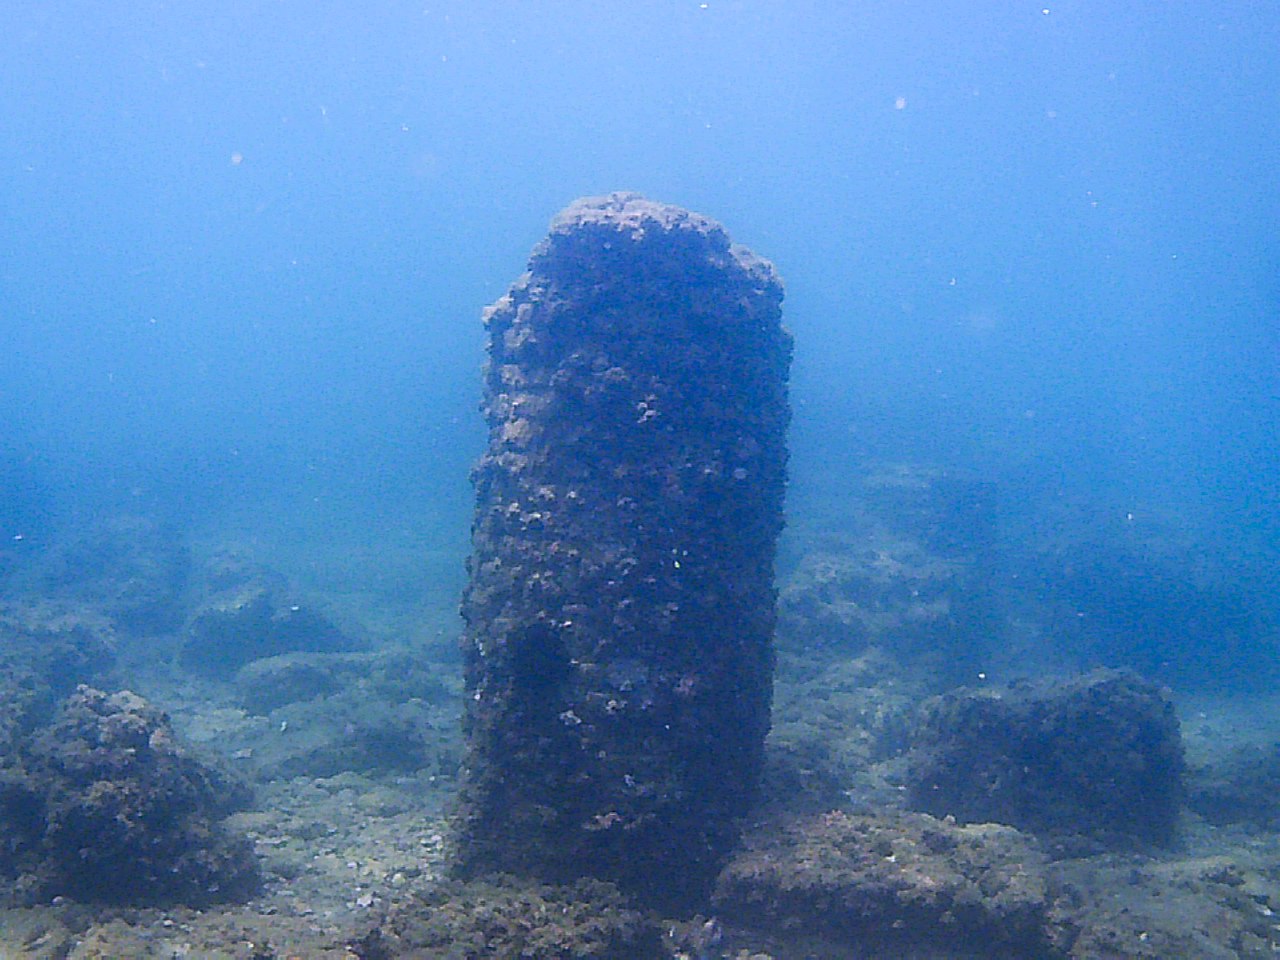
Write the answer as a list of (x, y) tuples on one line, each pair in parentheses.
[(1096, 756), (46, 650), (509, 919), (107, 806), (620, 608), (893, 884)]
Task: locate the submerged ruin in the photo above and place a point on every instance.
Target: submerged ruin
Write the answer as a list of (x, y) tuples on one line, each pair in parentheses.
[(620, 608)]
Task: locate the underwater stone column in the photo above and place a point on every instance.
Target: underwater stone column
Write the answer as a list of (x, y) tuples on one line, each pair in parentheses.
[(620, 608)]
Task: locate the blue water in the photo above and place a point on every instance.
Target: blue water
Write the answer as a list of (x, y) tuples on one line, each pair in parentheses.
[(246, 244)]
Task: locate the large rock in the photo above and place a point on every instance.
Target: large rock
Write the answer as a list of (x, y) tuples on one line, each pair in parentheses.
[(620, 610), (1127, 907), (106, 806), (1097, 756), (910, 885), (893, 884)]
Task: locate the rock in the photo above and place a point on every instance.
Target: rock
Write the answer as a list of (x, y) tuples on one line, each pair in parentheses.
[(904, 884), (389, 711), (888, 595), (1125, 907), (1097, 756), (908, 575), (392, 674), (891, 882), (46, 650), (353, 732), (112, 809), (620, 609), (251, 619), (1237, 786), (268, 683), (948, 513), (509, 919)]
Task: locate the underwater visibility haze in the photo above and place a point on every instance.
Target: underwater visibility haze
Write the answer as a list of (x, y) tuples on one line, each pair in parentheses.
[(1031, 272)]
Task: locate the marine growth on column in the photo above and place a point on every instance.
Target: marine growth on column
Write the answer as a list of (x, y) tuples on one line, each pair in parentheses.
[(620, 606)]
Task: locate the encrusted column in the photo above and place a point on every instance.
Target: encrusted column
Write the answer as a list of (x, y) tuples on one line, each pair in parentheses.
[(620, 610)]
